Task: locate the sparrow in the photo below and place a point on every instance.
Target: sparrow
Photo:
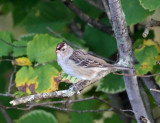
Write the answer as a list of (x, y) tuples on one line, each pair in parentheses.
[(82, 65)]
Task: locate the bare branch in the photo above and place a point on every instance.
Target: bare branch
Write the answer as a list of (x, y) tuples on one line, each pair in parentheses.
[(6, 95), (86, 18), (73, 89), (76, 29), (107, 9), (95, 4), (11, 80), (146, 102), (77, 111), (144, 76), (5, 114), (150, 23), (152, 86), (155, 90), (125, 50), (10, 44)]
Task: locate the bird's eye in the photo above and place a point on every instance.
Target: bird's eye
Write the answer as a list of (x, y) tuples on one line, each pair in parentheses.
[(63, 49)]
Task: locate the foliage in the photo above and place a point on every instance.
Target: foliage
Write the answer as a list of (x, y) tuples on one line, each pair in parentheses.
[(39, 116), (34, 55)]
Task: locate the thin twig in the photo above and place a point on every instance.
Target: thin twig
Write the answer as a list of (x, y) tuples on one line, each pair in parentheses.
[(155, 90), (107, 9), (77, 111), (122, 74), (5, 60), (5, 114), (146, 102), (11, 80), (10, 44), (86, 18), (6, 95), (95, 4), (150, 23), (76, 29)]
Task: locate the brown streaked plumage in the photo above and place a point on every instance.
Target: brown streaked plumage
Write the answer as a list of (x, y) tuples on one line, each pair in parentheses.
[(82, 65)]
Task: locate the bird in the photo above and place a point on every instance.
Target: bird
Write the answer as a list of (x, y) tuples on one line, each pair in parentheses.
[(80, 64)]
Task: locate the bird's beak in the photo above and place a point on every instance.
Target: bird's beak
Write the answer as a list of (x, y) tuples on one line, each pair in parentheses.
[(57, 51)]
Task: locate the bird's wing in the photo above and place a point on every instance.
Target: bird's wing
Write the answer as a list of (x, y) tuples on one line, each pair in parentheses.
[(84, 59)]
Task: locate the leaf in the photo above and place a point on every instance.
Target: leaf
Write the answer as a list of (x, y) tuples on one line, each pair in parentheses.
[(146, 53), (38, 80), (45, 14), (42, 48), (22, 61), (134, 12), (19, 94), (113, 119), (91, 10), (37, 116), (111, 84), (67, 78), (85, 117), (150, 4), (19, 51), (21, 9), (5, 49), (106, 44)]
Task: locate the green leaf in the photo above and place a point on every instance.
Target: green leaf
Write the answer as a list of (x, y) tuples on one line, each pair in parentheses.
[(145, 54), (85, 117), (23, 40), (42, 48), (46, 78), (38, 80), (5, 49), (45, 14), (19, 94), (91, 10), (134, 12), (67, 78), (21, 9), (150, 4), (100, 42), (19, 51), (113, 119), (111, 84), (37, 116)]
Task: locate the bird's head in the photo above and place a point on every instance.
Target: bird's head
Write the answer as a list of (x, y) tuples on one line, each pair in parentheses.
[(63, 50)]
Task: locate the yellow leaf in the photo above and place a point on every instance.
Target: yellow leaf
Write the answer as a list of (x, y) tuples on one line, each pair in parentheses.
[(22, 61)]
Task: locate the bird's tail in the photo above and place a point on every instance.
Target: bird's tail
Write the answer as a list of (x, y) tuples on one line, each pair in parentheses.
[(119, 67)]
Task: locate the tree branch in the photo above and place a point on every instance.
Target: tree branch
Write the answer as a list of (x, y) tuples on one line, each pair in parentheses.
[(146, 102), (125, 51), (11, 80), (150, 23), (151, 84), (73, 89), (10, 44), (95, 4), (86, 18)]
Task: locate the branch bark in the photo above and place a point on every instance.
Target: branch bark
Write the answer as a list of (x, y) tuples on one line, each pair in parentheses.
[(151, 84), (125, 51)]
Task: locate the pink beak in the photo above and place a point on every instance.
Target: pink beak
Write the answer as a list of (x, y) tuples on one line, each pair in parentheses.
[(57, 51)]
